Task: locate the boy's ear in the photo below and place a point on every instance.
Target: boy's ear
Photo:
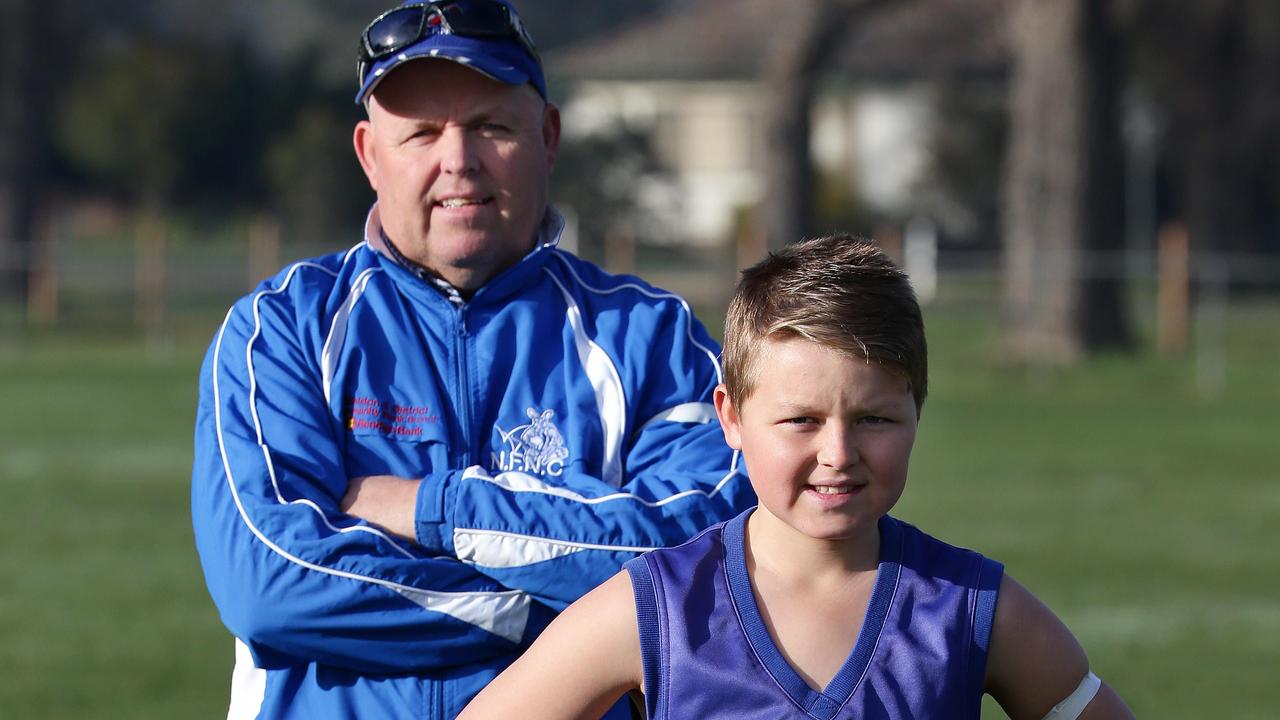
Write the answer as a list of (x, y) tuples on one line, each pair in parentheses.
[(728, 414)]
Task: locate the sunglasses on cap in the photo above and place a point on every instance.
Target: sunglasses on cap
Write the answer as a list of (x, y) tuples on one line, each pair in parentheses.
[(398, 28)]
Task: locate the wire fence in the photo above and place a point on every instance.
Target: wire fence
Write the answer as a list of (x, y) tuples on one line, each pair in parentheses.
[(164, 286)]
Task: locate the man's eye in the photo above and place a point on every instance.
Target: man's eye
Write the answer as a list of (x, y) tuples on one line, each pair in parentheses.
[(875, 420), (493, 128)]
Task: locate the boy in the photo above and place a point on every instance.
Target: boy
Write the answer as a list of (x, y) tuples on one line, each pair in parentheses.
[(816, 603)]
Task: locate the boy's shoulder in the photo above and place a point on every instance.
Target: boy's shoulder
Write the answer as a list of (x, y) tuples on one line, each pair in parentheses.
[(912, 533), (706, 540), (706, 546), (904, 547), (926, 555)]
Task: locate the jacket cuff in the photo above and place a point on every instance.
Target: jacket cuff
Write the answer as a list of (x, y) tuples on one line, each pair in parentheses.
[(435, 532)]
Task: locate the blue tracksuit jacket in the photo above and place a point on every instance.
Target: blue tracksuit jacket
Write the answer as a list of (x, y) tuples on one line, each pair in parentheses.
[(561, 419)]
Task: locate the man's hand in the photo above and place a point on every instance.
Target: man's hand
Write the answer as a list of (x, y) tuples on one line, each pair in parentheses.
[(384, 500)]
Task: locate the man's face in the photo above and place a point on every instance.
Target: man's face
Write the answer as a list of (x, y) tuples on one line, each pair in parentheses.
[(460, 164)]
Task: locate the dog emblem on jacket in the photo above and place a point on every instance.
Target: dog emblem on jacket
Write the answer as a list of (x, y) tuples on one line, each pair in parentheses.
[(536, 448)]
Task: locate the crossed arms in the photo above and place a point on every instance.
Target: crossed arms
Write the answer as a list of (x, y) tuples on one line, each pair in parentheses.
[(489, 556)]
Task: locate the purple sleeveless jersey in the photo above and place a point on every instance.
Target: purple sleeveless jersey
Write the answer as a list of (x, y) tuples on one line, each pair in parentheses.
[(922, 651)]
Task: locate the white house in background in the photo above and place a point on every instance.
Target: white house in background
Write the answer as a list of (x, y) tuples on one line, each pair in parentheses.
[(687, 78)]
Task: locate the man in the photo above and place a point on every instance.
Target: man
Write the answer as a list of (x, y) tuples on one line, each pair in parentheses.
[(411, 454)]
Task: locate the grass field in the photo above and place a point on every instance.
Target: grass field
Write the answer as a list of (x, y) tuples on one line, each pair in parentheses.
[(1144, 510)]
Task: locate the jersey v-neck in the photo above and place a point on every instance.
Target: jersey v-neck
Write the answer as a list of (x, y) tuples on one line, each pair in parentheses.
[(821, 705)]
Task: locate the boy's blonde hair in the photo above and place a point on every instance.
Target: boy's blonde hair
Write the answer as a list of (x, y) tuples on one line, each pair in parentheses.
[(839, 291)]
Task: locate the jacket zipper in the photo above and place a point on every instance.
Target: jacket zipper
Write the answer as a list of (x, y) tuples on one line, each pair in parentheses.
[(463, 390)]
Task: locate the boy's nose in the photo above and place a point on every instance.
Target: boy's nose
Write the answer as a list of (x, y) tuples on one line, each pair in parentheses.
[(837, 449)]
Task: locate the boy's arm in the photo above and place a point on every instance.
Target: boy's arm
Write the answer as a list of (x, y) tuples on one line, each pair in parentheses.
[(1035, 662), (578, 668)]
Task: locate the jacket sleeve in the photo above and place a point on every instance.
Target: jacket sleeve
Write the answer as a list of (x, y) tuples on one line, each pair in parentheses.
[(293, 577), (558, 539)]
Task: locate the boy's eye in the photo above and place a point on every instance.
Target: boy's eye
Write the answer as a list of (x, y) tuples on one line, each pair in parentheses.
[(874, 420), (801, 420)]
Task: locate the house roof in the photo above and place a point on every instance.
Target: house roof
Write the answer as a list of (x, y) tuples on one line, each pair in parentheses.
[(721, 40)]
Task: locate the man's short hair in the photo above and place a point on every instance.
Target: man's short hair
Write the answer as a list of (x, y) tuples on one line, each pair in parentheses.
[(838, 291)]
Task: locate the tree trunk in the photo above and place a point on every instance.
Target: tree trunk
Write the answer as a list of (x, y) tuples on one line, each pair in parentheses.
[(20, 92), (1103, 319), (802, 46), (1220, 149), (1062, 188), (1214, 66)]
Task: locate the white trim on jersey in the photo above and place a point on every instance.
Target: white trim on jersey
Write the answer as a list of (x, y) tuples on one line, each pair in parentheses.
[(495, 549), (499, 549), (338, 332), (604, 379), (248, 686), (522, 482), (648, 292), (692, 412)]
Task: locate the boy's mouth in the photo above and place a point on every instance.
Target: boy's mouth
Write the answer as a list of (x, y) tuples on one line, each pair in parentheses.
[(838, 488)]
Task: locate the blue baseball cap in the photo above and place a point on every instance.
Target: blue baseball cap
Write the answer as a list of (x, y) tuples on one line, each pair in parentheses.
[(485, 35)]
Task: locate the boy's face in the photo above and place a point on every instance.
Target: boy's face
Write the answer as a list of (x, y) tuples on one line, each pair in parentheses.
[(826, 438)]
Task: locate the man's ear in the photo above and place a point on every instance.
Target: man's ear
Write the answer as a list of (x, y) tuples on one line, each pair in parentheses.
[(366, 153), (551, 133), (730, 423)]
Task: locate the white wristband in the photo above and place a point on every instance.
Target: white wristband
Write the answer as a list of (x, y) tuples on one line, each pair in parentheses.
[(1074, 704)]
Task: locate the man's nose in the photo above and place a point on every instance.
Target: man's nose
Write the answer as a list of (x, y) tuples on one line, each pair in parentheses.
[(837, 446), (458, 152)]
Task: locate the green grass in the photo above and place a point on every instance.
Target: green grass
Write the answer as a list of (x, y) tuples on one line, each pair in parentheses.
[(104, 611), (1143, 509)]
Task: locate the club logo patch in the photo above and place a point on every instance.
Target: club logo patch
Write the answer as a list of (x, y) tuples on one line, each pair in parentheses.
[(536, 448)]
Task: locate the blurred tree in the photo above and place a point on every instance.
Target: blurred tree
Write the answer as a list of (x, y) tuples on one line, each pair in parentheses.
[(168, 106), (23, 99), (159, 124), (1214, 67), (600, 177), (837, 205), (1063, 202), (961, 188), (313, 181), (798, 52), (553, 23), (122, 124)]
